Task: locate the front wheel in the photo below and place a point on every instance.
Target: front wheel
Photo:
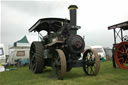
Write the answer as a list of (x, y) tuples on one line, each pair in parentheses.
[(59, 64), (91, 62)]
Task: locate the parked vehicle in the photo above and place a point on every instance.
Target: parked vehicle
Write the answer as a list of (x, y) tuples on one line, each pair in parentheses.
[(108, 52), (101, 52), (2, 55)]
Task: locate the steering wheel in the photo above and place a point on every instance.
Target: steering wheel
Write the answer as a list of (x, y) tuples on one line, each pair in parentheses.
[(125, 38)]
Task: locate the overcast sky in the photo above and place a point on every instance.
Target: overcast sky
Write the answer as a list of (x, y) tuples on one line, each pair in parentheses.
[(94, 16)]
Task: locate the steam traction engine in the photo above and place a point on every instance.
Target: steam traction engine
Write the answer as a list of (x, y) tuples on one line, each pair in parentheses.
[(61, 48), (120, 50)]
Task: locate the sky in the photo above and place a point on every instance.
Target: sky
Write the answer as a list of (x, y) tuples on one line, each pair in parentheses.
[(94, 16)]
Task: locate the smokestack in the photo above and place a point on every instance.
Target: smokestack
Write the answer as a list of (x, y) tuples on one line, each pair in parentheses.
[(72, 9)]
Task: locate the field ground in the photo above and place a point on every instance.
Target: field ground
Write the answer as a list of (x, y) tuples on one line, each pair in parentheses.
[(107, 76)]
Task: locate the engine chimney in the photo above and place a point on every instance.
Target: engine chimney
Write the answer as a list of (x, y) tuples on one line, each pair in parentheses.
[(73, 28), (72, 9)]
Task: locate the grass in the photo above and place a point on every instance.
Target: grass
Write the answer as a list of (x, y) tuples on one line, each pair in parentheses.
[(107, 76)]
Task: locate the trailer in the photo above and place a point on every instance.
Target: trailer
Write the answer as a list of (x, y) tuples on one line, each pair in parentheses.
[(18, 55)]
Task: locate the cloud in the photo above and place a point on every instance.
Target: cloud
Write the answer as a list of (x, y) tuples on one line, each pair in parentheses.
[(19, 16), (93, 16), (14, 23), (38, 8)]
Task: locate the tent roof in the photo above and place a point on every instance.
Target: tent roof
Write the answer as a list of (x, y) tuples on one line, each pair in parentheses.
[(27, 39), (23, 40)]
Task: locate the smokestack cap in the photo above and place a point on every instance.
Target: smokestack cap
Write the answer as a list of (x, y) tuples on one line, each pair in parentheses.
[(72, 7)]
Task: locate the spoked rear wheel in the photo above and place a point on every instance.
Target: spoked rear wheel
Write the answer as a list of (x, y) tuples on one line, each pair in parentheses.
[(91, 62), (36, 57), (59, 64)]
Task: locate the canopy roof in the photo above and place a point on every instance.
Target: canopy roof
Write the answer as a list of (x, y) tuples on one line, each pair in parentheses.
[(123, 25), (48, 24)]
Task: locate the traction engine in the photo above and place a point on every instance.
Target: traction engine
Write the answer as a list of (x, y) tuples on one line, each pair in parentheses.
[(120, 49), (61, 48)]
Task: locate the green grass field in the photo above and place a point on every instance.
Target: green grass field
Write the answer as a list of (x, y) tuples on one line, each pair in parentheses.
[(107, 76)]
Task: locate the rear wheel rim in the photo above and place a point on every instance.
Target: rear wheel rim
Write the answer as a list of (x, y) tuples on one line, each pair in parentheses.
[(32, 58)]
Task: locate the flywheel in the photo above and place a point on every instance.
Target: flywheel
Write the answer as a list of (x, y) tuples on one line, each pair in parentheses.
[(121, 55)]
